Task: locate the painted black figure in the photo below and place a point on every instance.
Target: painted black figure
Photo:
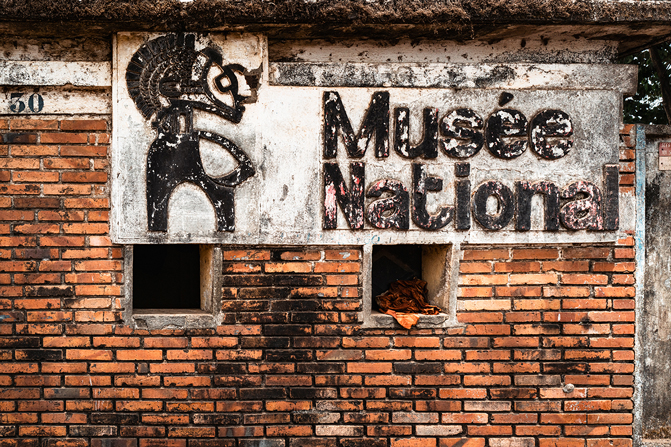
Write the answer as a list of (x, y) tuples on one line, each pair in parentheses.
[(168, 78)]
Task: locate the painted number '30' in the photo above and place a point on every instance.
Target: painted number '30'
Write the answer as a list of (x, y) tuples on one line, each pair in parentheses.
[(35, 103)]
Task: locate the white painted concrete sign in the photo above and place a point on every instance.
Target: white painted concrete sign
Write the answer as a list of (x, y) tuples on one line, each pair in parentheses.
[(212, 144)]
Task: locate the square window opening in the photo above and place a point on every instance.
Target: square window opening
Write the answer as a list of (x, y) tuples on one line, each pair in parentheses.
[(437, 264), (402, 262), (166, 277), (172, 285)]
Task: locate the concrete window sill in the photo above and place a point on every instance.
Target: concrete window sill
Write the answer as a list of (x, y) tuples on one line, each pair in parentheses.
[(380, 320), (153, 319)]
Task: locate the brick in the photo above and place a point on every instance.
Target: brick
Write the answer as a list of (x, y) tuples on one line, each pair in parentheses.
[(624, 253), (477, 380), (88, 354), (576, 304), (33, 124), (246, 255), (313, 255), (100, 265), (476, 267), (86, 203), (518, 267), (490, 305), (535, 253), (475, 292), (566, 266), (586, 253), (494, 430), (43, 430), (483, 280), (578, 278), (442, 355), (64, 138), (609, 442), (84, 177), (431, 380), (586, 430), (65, 163), (34, 177), (512, 442), (17, 163), (143, 354), (417, 342), (84, 125), (337, 267), (615, 292), (479, 255), (486, 406), (563, 418), (41, 228), (619, 267), (113, 442), (462, 442), (538, 430), (288, 267), (560, 442), (518, 291)]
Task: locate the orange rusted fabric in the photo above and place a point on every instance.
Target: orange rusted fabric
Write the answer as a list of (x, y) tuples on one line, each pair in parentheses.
[(405, 301)]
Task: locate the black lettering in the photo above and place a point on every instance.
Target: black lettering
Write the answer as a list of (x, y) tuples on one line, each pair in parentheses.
[(375, 123), (421, 184), (336, 193), (463, 189), (35, 103), (389, 212), (428, 147), (506, 133), (525, 192), (611, 203), (463, 139), (505, 98), (506, 206), (550, 130), (585, 212), (16, 106)]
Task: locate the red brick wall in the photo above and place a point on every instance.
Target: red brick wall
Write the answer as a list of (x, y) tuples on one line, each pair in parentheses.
[(290, 366)]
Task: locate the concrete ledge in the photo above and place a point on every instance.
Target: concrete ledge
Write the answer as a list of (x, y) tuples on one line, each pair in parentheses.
[(620, 78), (50, 73), (174, 319), (380, 320)]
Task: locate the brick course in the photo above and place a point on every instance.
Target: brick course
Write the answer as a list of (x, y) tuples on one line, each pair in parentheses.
[(291, 366)]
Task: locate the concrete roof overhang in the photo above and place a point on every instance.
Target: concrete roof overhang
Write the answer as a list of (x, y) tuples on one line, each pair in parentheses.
[(632, 24)]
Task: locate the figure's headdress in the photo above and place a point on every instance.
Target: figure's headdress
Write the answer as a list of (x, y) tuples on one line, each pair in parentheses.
[(169, 68)]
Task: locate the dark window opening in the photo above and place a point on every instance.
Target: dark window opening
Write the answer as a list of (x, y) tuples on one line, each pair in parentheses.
[(392, 263), (166, 277), (430, 263)]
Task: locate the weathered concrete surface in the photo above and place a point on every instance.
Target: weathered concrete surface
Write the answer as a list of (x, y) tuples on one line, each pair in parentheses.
[(632, 23), (655, 311), (55, 101), (282, 131), (50, 73), (621, 78), (561, 46), (88, 48)]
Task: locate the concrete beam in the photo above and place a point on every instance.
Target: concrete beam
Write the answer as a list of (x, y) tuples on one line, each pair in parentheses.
[(620, 78), (51, 73)]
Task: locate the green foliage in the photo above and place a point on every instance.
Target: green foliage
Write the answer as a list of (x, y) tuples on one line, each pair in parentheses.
[(646, 107)]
